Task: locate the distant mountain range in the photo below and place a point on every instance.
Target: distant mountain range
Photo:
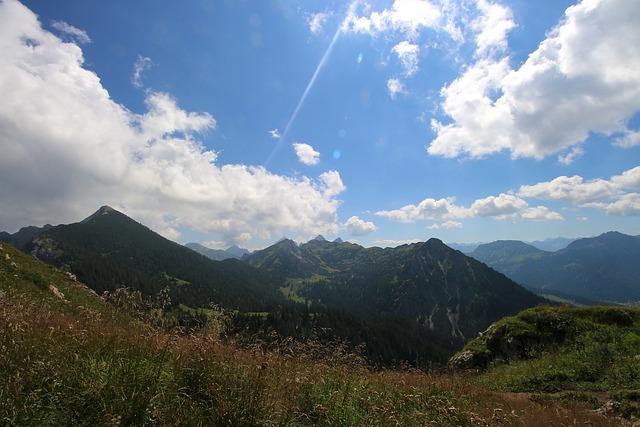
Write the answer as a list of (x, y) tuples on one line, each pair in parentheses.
[(440, 287), (551, 245), (219, 254), (603, 268)]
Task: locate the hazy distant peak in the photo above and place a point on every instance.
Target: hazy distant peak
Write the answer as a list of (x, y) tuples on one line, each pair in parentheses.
[(320, 238)]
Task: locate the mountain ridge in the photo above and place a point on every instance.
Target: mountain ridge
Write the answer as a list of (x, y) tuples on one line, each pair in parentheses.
[(602, 268), (428, 281)]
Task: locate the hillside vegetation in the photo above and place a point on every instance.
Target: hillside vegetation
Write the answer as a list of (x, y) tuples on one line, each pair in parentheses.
[(589, 353), (70, 358)]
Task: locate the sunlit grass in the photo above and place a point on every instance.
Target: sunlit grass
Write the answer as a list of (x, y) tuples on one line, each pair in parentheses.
[(78, 361)]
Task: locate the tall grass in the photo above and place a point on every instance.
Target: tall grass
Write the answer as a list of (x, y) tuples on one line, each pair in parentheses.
[(78, 361)]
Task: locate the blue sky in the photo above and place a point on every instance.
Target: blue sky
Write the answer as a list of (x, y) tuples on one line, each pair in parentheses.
[(381, 122)]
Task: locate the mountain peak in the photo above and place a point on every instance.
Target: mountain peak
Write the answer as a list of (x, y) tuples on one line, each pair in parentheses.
[(104, 210), (338, 240), (319, 238)]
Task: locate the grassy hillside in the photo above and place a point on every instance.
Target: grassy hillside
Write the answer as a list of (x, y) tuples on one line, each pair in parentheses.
[(69, 358), (589, 353)]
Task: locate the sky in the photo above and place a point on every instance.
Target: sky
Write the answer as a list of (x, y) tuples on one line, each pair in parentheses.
[(380, 122)]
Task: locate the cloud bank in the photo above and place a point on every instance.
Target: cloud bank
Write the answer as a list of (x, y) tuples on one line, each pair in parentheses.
[(548, 105), (68, 148)]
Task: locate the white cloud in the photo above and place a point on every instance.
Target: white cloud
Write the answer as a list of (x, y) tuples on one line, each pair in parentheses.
[(71, 32), (358, 227), (408, 56), (480, 126), (540, 213), (215, 244), (405, 16), (332, 184), (317, 20), (492, 26), (627, 205), (628, 140), (390, 243), (572, 189), (547, 105), (503, 206), (629, 180), (306, 154), (395, 87), (427, 209), (571, 156), (68, 148), (142, 64), (447, 225), (611, 195), (275, 134)]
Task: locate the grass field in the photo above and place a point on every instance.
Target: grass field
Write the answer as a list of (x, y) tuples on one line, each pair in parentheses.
[(69, 358)]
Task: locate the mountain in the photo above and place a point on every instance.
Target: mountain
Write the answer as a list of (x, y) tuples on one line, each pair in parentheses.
[(603, 268), (108, 250), (236, 251), (214, 254), (552, 244), (233, 251), (506, 255), (464, 247), (440, 288), (23, 236)]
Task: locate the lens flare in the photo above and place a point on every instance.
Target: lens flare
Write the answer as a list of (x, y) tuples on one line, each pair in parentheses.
[(321, 64)]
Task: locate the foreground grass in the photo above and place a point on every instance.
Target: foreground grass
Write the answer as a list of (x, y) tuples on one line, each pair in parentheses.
[(72, 359)]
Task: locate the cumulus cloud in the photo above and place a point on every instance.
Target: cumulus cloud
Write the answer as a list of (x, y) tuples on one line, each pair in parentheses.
[(142, 64), (331, 184), (427, 209), (395, 87), (503, 206), (540, 213), (571, 156), (405, 16), (358, 227), (306, 154), (447, 225), (71, 33), (546, 106), (68, 148), (617, 195), (492, 27), (627, 205), (408, 56)]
